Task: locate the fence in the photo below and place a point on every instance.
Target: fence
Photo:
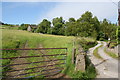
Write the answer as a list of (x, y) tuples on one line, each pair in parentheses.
[(33, 62)]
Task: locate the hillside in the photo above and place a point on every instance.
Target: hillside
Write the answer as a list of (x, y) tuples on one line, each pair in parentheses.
[(17, 38)]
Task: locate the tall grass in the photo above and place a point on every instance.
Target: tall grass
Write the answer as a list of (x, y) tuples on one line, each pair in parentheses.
[(96, 54), (17, 38), (111, 54)]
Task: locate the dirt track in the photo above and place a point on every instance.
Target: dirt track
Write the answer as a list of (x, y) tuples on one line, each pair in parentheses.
[(17, 67), (106, 68), (48, 70)]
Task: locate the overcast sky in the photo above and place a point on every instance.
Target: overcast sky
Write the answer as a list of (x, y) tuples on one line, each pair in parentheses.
[(35, 12)]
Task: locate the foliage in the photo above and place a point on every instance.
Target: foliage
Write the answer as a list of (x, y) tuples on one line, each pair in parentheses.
[(90, 69), (58, 26), (118, 34), (107, 30), (23, 26), (86, 43), (44, 27), (71, 29), (72, 20), (86, 26)]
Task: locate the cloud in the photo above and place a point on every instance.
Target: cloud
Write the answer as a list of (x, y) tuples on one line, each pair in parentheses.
[(73, 9)]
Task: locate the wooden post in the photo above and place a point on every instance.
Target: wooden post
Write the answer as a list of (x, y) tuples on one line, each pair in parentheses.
[(73, 56), (119, 13)]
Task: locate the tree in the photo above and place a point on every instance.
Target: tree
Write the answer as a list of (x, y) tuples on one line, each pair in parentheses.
[(86, 17), (23, 26), (71, 20), (58, 26), (118, 34), (108, 29), (105, 28), (44, 26), (70, 27), (88, 25)]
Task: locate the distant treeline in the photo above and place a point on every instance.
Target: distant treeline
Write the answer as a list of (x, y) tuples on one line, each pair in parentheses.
[(86, 26), (10, 25)]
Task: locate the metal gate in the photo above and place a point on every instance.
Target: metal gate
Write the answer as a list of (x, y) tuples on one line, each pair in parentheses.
[(33, 62)]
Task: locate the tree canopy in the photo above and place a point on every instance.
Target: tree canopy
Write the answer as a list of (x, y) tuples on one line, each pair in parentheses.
[(44, 26), (86, 26)]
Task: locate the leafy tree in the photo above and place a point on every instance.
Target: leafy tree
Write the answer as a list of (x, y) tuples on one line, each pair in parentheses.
[(72, 20), (58, 26), (88, 25), (107, 28), (71, 29), (58, 20), (44, 26), (118, 34), (86, 17), (23, 26)]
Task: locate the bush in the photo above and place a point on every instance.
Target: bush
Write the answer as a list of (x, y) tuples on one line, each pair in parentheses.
[(86, 44)]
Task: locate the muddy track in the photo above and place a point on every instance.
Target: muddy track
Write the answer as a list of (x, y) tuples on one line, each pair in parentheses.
[(17, 67), (48, 71), (106, 68), (52, 62)]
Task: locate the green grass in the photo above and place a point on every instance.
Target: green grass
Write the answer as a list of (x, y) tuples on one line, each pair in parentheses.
[(113, 43), (113, 55), (86, 43), (96, 54), (17, 38)]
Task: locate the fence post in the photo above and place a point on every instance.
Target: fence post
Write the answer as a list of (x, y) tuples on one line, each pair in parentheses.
[(73, 55)]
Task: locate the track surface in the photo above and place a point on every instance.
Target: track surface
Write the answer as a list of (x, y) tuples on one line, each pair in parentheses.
[(106, 68)]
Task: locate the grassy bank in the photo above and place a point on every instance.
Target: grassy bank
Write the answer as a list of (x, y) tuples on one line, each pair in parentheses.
[(17, 38), (96, 54), (111, 54)]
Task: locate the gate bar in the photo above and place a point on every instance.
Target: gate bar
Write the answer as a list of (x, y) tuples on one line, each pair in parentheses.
[(34, 67), (32, 56), (32, 62), (37, 71), (32, 48)]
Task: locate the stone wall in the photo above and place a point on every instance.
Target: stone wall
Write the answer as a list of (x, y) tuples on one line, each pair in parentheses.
[(80, 63)]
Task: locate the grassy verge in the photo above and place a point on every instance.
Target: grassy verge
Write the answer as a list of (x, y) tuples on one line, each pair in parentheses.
[(96, 54), (90, 72), (86, 43), (113, 55), (17, 38), (113, 43)]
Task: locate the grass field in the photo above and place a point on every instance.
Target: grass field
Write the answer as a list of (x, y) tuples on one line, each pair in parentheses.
[(17, 38)]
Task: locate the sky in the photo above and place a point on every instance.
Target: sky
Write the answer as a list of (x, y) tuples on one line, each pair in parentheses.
[(35, 12)]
